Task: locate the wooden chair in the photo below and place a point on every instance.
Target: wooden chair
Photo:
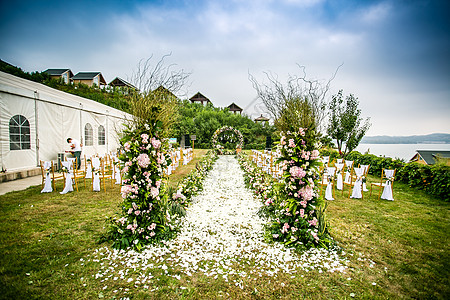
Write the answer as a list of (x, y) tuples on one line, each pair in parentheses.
[(56, 177), (106, 172), (386, 180), (78, 174)]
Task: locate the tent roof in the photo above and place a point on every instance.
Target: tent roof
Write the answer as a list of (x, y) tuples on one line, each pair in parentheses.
[(18, 86)]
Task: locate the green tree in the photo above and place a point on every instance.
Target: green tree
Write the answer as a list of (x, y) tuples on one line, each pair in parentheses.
[(345, 123)]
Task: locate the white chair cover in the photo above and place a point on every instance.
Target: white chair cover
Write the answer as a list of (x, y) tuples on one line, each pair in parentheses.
[(325, 160), (68, 185), (329, 190), (339, 181), (48, 180), (117, 172), (364, 186), (88, 170), (357, 188), (387, 191), (340, 160), (348, 165), (96, 174)]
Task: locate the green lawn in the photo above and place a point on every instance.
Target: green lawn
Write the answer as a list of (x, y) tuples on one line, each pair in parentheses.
[(395, 250)]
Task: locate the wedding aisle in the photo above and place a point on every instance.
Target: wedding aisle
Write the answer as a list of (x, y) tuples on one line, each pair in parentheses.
[(222, 236)]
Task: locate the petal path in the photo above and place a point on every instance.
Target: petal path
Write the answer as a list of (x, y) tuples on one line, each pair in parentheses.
[(222, 235)]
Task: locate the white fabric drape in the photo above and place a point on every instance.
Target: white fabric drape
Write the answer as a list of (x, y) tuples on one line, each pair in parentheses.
[(48, 180), (116, 170), (339, 181), (96, 174), (387, 191), (365, 170), (88, 168), (329, 189), (348, 167), (357, 188), (68, 185)]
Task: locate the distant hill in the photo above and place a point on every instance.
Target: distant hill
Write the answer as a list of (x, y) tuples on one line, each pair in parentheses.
[(434, 138)]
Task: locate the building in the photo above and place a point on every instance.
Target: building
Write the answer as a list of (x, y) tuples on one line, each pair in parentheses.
[(89, 78), (430, 157), (64, 74), (199, 98), (120, 83), (36, 121), (234, 108), (261, 119)]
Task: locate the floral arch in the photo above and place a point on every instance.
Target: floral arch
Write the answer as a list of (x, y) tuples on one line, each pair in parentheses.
[(235, 137)]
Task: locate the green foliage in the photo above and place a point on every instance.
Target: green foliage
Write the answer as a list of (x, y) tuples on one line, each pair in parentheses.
[(112, 97), (344, 123), (16, 71), (202, 121), (434, 179)]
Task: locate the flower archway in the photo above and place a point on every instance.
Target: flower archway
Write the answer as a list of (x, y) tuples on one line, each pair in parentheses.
[(235, 136)]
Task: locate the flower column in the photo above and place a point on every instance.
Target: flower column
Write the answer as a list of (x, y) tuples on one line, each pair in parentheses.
[(298, 221), (145, 216)]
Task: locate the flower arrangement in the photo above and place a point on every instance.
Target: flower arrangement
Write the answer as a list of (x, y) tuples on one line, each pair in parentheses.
[(292, 204), (145, 216), (235, 136)]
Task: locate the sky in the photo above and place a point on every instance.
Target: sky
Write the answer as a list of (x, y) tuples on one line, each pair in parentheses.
[(394, 56)]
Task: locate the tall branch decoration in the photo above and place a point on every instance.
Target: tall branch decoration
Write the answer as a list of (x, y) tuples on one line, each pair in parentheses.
[(231, 135)]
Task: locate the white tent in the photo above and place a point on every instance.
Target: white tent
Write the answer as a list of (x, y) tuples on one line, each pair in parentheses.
[(36, 121)]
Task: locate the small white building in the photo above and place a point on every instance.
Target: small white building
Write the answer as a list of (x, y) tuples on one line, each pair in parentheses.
[(36, 121)]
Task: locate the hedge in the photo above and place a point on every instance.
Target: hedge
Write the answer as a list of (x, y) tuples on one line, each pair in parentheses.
[(434, 179)]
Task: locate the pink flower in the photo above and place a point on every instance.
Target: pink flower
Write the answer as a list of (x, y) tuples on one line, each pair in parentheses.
[(144, 138), (127, 146), (137, 212), (302, 213), (297, 172), (307, 193), (156, 143), (291, 143), (285, 228), (302, 131), (315, 154), (154, 192), (143, 160), (313, 222)]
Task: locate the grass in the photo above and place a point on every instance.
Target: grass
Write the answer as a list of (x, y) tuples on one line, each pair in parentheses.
[(48, 241)]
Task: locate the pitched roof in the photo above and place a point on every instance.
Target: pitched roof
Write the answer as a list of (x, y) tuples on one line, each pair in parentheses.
[(199, 97), (163, 90), (234, 107), (429, 156), (58, 72), (89, 76), (261, 118), (120, 82)]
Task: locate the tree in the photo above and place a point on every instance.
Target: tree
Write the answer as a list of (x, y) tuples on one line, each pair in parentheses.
[(300, 103), (345, 123)]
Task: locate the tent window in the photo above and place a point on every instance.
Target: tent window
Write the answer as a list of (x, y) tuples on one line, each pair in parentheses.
[(19, 133), (88, 135), (101, 135)]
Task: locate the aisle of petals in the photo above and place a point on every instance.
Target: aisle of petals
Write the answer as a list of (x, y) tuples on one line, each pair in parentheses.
[(222, 236)]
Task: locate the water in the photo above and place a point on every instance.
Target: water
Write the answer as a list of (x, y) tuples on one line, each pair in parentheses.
[(403, 151)]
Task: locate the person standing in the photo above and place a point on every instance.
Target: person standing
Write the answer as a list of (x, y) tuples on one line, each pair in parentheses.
[(75, 147)]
